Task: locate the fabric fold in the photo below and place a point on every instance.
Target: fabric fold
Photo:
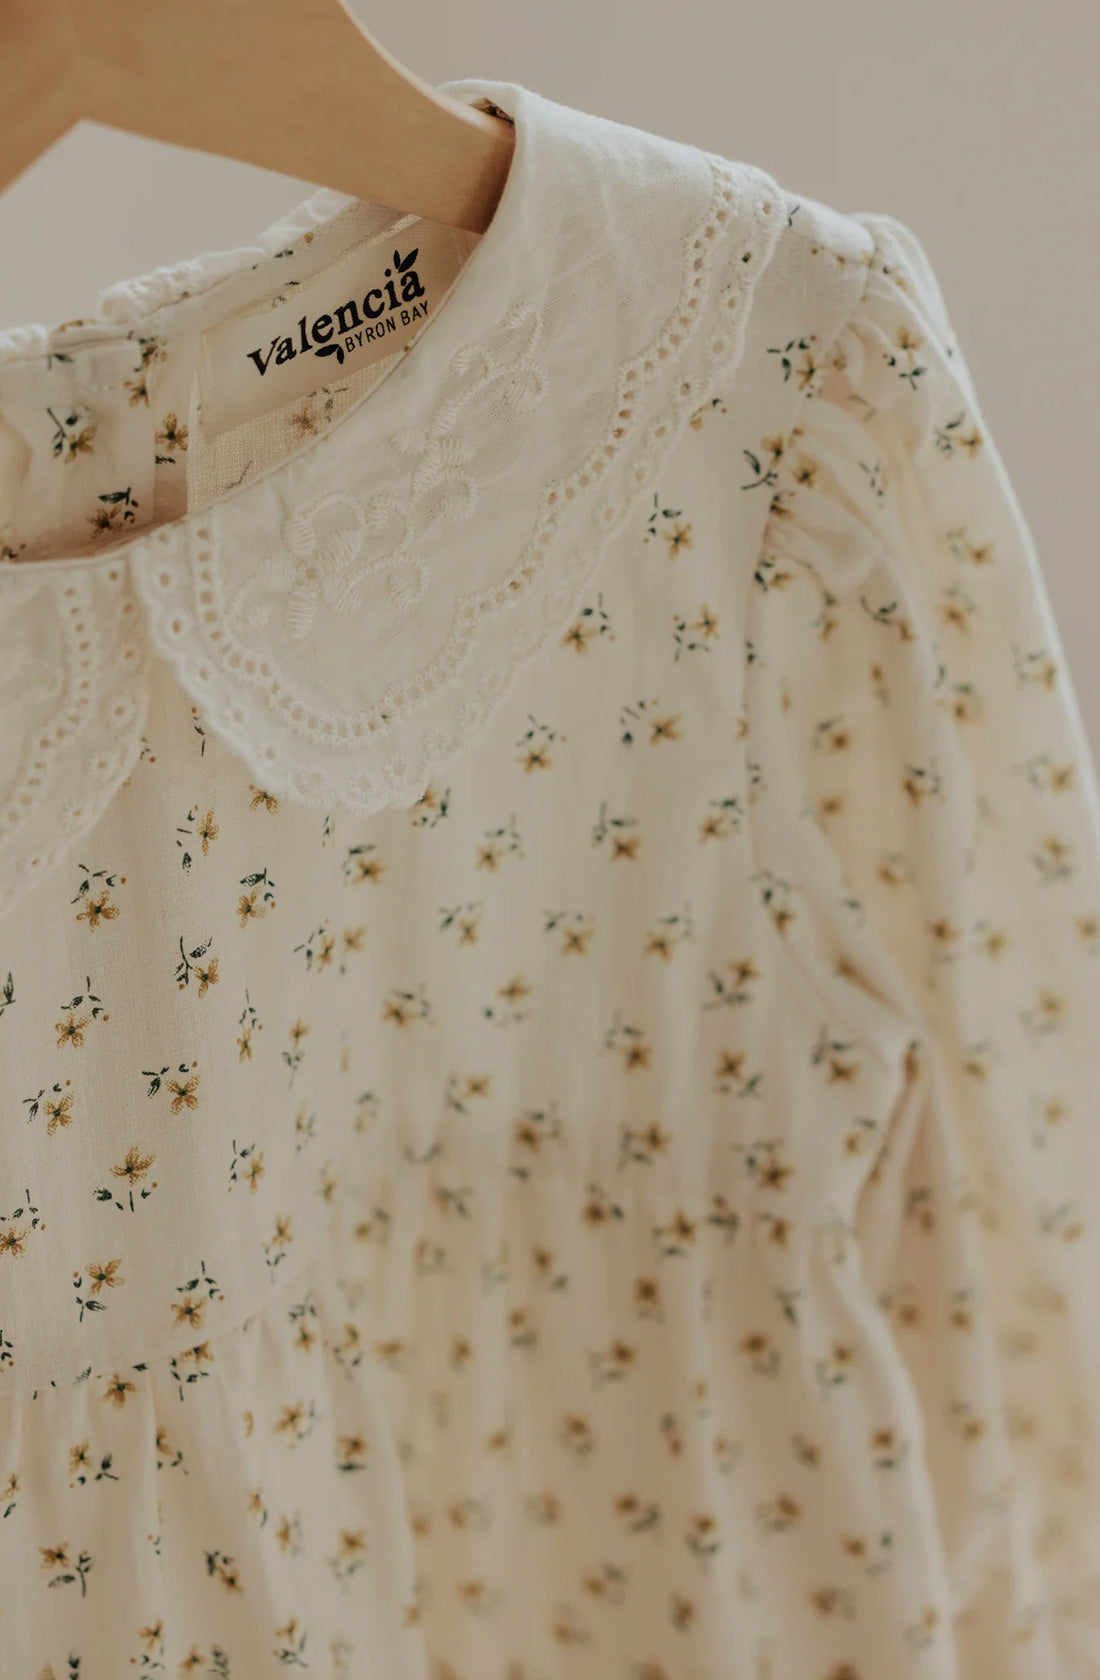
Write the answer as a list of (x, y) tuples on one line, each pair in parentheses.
[(938, 776)]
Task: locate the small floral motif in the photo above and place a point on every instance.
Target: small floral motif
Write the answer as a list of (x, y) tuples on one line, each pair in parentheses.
[(134, 1169), (96, 1276), (74, 435), (171, 437), (71, 1568), (117, 508), (183, 1088)]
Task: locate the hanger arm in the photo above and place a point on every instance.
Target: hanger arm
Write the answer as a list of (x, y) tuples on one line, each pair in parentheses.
[(295, 86)]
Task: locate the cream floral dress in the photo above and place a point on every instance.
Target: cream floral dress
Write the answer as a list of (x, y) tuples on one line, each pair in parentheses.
[(549, 972)]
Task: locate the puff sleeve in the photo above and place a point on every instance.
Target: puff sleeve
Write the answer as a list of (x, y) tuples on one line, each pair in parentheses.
[(927, 780)]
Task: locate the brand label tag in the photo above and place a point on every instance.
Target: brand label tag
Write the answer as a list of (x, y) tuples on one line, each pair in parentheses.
[(361, 309)]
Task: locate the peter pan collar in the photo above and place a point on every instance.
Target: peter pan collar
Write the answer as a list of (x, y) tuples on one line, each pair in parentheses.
[(441, 530)]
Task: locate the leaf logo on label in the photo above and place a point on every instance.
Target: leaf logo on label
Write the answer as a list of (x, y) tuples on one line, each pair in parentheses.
[(350, 320)]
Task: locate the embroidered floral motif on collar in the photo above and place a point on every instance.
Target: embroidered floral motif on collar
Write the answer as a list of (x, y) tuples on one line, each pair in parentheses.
[(349, 617)]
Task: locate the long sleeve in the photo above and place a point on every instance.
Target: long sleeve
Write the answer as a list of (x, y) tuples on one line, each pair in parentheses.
[(928, 771)]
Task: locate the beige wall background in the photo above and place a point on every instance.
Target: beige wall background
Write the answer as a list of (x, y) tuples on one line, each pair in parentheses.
[(977, 123)]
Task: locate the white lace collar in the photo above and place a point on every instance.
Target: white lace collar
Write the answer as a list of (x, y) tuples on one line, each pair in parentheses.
[(349, 620)]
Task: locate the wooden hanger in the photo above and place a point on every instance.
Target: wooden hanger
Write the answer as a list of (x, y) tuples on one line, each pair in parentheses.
[(295, 86)]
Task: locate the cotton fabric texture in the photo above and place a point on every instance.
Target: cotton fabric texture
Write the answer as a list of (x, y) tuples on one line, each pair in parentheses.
[(548, 973)]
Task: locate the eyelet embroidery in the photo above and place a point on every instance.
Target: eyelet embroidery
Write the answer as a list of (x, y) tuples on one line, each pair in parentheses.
[(368, 560), (329, 665), (83, 711)]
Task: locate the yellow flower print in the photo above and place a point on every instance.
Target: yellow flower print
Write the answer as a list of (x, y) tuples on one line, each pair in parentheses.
[(702, 1535), (579, 635), (190, 963), (134, 1167), (153, 1636), (172, 435), (612, 1363), (678, 1236), (291, 1643), (544, 1508), (275, 1250), (103, 1275), (184, 1096), (260, 797), (304, 1336), (575, 1434), (207, 831), (117, 508), (296, 1420), (117, 1390), (71, 1031), (13, 1241), (598, 1209), (763, 1356), (682, 1613), (672, 1433), (609, 1587), (478, 1596), (58, 1112), (1048, 1012), (666, 728), (289, 1535), (679, 537), (80, 1458), (691, 637), (949, 438), (647, 1297), (886, 1450), (70, 438), (638, 1514), (402, 1007), (189, 1312), (352, 940), (289, 1418), (361, 867), (223, 1569), (98, 910), (779, 1230), (152, 350), (575, 941), (773, 1174), (351, 1453), (350, 1553), (779, 1513), (304, 419)]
